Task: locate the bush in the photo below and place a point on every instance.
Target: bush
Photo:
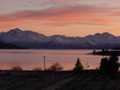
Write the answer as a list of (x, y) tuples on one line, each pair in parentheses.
[(37, 69), (55, 67), (17, 68)]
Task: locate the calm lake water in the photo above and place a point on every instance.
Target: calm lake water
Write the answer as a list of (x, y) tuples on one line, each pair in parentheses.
[(30, 59)]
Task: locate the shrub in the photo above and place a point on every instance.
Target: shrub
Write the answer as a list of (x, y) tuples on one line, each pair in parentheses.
[(17, 68), (37, 69), (55, 67)]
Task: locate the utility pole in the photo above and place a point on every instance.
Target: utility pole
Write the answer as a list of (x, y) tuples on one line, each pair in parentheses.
[(44, 62)]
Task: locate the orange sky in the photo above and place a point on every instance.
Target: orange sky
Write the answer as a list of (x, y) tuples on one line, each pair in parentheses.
[(73, 18)]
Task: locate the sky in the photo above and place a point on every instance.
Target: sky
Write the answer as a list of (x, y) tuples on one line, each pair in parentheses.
[(65, 17)]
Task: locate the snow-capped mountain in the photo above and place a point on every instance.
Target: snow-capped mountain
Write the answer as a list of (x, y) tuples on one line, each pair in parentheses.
[(21, 38), (18, 35), (29, 39)]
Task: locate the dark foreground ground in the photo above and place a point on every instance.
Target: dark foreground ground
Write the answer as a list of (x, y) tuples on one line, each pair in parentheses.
[(33, 80)]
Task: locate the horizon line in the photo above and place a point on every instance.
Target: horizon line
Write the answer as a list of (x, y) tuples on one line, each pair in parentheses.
[(60, 34)]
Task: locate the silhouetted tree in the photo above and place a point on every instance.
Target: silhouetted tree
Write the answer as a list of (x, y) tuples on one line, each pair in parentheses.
[(113, 64), (94, 51), (78, 66), (110, 65), (104, 65), (55, 67)]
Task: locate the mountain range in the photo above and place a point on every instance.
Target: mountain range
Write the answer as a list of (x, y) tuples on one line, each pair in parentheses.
[(20, 39)]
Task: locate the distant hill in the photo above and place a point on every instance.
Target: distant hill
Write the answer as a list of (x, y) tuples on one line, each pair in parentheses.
[(17, 38)]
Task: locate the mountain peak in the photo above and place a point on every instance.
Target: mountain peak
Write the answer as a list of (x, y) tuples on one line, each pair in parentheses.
[(102, 35), (15, 30), (106, 34)]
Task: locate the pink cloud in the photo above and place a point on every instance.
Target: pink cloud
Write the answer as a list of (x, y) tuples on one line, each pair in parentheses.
[(62, 15)]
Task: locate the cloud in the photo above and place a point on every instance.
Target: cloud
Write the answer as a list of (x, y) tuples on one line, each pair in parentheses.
[(53, 15), (83, 14)]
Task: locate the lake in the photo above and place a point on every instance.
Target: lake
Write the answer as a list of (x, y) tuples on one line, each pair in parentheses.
[(30, 59)]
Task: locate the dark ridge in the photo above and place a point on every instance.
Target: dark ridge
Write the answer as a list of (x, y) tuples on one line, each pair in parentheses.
[(19, 38)]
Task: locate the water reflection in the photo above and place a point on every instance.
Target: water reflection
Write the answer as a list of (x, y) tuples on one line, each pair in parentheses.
[(29, 59)]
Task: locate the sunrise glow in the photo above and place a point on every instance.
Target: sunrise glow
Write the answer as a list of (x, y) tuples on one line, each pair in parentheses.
[(66, 17)]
